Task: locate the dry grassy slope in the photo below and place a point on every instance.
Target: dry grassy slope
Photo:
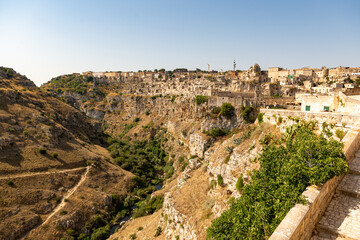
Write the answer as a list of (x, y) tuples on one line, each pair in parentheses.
[(32, 184), (89, 200), (31, 119)]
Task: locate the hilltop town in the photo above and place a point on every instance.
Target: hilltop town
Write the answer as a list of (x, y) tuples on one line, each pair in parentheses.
[(306, 89)]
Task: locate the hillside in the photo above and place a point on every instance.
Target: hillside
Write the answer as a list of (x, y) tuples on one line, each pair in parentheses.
[(51, 162)]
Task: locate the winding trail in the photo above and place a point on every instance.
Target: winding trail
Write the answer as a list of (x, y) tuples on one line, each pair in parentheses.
[(62, 203), (41, 173)]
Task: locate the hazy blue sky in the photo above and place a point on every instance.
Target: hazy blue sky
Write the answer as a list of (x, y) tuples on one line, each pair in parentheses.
[(43, 39)]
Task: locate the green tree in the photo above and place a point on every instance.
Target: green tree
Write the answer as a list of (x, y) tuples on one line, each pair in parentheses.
[(227, 110), (200, 99)]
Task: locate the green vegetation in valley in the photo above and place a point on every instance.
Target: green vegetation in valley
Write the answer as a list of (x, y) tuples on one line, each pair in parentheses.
[(148, 206), (151, 165), (145, 159), (286, 169)]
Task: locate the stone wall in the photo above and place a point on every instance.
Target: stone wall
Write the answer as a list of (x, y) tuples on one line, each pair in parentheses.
[(328, 117), (301, 220)]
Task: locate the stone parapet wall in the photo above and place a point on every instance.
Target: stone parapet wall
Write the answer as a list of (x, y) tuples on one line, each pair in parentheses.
[(328, 117), (301, 220)]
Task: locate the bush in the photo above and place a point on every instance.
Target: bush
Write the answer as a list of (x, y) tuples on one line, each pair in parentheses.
[(247, 114), (227, 110), (101, 233), (26, 133), (137, 119), (285, 172), (200, 99), (220, 180), (260, 118), (184, 166), (240, 183), (340, 133), (217, 132), (42, 150), (149, 206), (63, 212), (227, 159), (216, 110), (169, 171), (181, 159), (158, 232), (55, 155), (213, 184), (10, 183)]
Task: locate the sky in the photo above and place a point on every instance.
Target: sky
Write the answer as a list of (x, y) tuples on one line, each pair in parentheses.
[(44, 39)]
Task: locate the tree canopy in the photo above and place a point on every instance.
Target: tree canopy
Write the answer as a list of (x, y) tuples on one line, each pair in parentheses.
[(286, 169)]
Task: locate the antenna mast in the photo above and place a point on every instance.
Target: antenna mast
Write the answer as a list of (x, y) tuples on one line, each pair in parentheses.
[(234, 64)]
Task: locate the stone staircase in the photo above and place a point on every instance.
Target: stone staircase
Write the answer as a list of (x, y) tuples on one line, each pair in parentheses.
[(341, 219)]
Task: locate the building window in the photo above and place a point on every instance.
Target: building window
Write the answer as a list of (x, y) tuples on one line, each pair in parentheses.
[(326, 108), (307, 108)]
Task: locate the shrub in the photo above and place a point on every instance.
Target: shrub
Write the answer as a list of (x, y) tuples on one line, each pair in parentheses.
[(71, 232), (10, 183), (42, 150), (184, 165), (169, 171), (227, 110), (216, 110), (140, 228), (181, 159), (227, 159), (247, 114), (26, 133), (101, 233), (229, 149), (55, 155), (217, 132), (260, 118), (213, 184), (157, 232), (149, 206), (220, 180), (237, 141), (200, 99), (240, 183), (137, 119), (63, 212), (340, 133)]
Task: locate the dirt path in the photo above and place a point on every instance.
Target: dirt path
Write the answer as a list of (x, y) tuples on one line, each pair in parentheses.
[(62, 203), (41, 173)]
